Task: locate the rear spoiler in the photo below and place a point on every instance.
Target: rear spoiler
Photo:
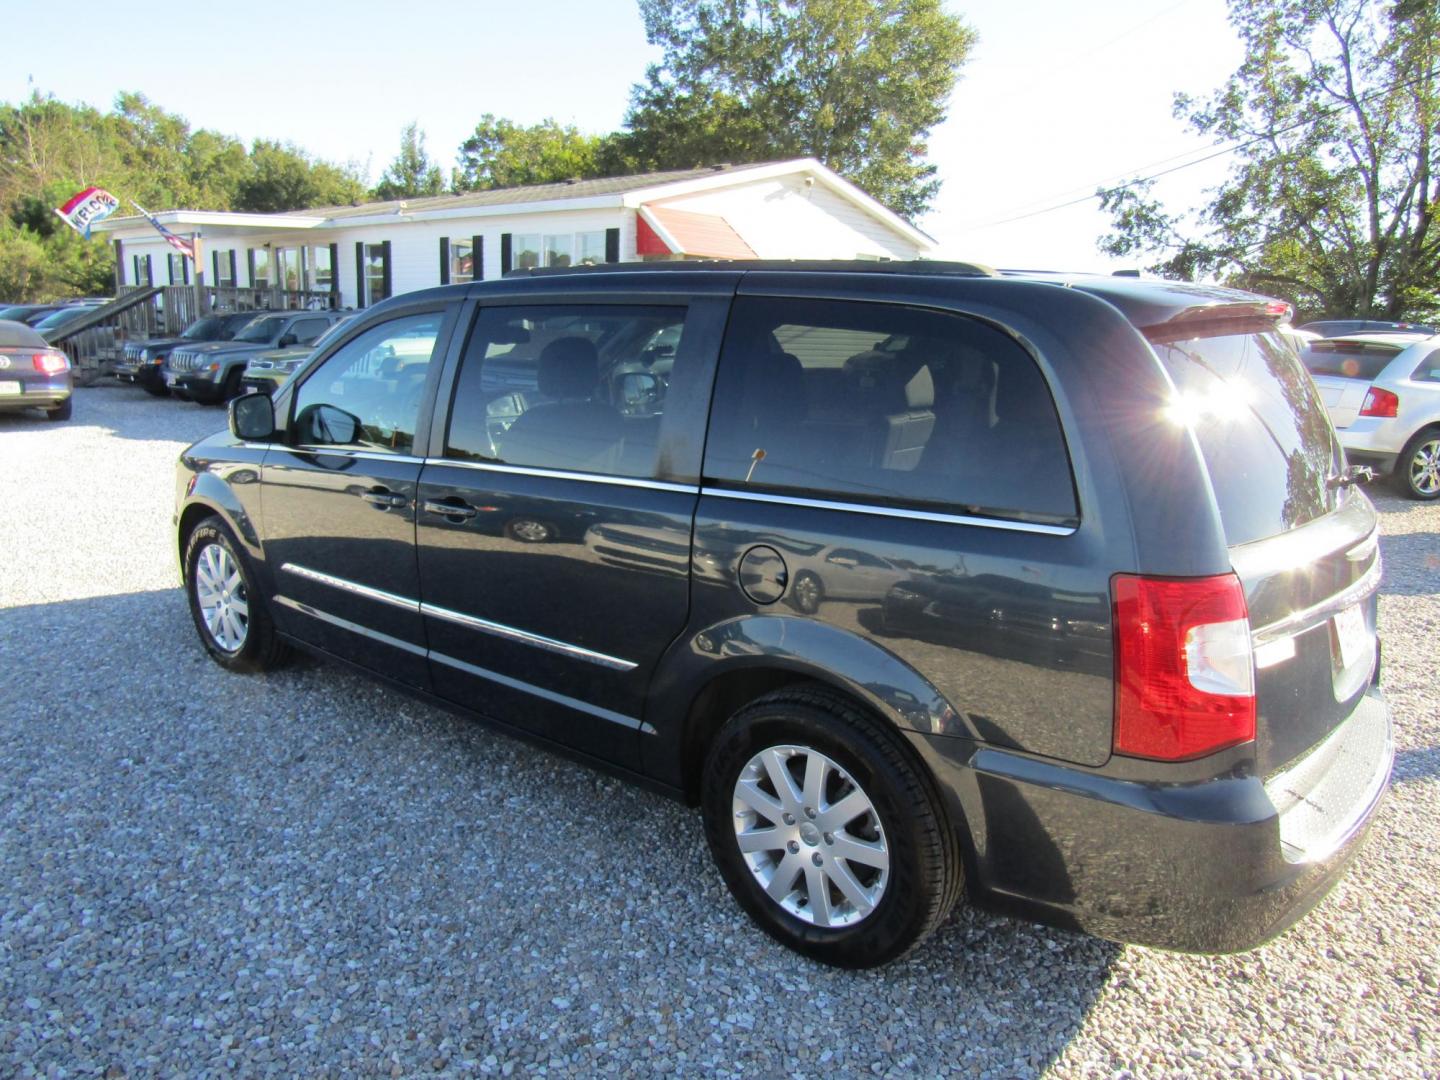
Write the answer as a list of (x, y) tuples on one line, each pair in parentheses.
[(1220, 320)]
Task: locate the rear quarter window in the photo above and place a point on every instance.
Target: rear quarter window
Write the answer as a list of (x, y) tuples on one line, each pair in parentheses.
[(1267, 441)]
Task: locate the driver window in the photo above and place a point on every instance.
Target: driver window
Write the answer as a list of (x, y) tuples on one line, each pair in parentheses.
[(366, 396)]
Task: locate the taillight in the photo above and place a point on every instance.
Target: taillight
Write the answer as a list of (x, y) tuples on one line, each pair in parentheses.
[(1380, 403), (1184, 673), (51, 363)]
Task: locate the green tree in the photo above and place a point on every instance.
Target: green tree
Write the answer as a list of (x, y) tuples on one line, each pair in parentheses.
[(502, 153), (412, 174), (283, 177), (858, 84), (1333, 197)]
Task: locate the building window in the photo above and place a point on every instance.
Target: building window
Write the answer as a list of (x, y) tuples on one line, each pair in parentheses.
[(462, 260), (259, 268), (322, 274), (290, 268), (179, 270), (225, 268), (525, 251), (142, 270), (377, 274), (590, 248)]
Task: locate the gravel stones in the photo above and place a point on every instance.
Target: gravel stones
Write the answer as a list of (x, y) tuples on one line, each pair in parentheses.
[(309, 874)]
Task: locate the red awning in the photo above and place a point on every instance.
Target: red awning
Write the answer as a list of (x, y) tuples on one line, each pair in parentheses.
[(679, 232)]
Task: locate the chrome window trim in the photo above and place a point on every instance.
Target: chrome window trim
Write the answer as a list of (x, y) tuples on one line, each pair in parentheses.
[(540, 692), (562, 474), (352, 587), (1008, 524), (366, 455), (510, 633), (539, 641)]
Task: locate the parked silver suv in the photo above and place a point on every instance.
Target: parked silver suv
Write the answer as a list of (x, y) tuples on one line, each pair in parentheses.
[(1383, 395)]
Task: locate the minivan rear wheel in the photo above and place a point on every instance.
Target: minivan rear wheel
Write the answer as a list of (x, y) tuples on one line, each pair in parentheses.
[(230, 612), (1417, 473), (826, 832)]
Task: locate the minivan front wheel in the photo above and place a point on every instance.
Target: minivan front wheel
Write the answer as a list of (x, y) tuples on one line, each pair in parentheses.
[(229, 612), (825, 831), (1418, 470)]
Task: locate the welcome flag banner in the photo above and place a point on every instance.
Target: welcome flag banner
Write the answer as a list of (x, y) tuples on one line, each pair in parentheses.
[(84, 208), (180, 244)]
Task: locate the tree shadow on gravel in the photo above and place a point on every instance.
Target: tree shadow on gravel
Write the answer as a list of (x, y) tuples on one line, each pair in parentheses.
[(1412, 564), (316, 841)]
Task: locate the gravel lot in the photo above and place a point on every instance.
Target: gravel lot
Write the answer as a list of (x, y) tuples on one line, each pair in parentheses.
[(306, 874)]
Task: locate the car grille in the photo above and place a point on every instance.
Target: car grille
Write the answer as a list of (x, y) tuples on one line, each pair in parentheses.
[(134, 354), (184, 360)]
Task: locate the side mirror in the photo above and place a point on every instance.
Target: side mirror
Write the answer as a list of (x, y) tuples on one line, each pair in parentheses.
[(252, 418), (286, 340), (639, 388)]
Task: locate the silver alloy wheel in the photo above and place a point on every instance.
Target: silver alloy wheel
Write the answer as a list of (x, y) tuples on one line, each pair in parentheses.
[(811, 836), (220, 591), (1425, 468), (532, 532)]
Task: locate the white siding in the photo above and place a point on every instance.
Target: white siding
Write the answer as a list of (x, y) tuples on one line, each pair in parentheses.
[(783, 219)]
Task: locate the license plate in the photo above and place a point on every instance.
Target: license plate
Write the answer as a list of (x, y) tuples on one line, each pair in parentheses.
[(1354, 639), (172, 380), (9, 388)]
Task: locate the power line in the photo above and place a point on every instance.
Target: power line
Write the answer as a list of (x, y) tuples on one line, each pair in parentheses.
[(1208, 157)]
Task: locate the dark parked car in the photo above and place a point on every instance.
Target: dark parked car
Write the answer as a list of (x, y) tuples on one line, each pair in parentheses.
[(1330, 328), (32, 374), (264, 372), (62, 318), (1091, 630), (210, 372), (142, 361)]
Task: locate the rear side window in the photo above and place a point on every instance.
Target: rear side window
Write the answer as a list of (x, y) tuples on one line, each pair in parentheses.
[(574, 388), (880, 403), (1428, 370), (1262, 429), (1348, 359)]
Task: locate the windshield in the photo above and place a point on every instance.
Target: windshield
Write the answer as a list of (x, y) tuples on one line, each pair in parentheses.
[(1262, 429), (203, 330), (261, 329), (1348, 359), (61, 317)]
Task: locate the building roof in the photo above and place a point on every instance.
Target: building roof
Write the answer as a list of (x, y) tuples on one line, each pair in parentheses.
[(665, 230)]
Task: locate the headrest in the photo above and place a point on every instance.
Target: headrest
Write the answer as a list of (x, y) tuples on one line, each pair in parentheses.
[(773, 393), (569, 369), (920, 390)]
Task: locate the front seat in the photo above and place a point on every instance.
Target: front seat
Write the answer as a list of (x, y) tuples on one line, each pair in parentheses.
[(572, 430)]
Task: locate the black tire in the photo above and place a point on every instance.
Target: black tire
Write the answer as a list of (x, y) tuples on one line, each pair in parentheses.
[(154, 388), (230, 388), (1406, 475), (807, 593), (924, 875), (63, 411), (260, 648)]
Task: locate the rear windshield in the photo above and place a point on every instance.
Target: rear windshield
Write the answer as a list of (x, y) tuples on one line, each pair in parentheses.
[(1262, 429), (1348, 359)]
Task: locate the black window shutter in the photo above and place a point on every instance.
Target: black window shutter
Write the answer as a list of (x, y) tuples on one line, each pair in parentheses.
[(136, 260), (170, 272), (359, 274), (385, 267), (612, 245), (504, 253), (149, 271), (215, 267), (335, 272), (185, 268), (250, 265), (477, 258), (233, 275), (444, 260)]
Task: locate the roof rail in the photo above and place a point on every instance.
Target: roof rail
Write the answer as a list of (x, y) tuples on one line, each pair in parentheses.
[(853, 266)]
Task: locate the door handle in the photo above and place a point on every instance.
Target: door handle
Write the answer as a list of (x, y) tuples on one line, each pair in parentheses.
[(385, 500), (456, 509)]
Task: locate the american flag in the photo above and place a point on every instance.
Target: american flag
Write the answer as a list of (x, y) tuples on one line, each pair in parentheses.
[(185, 247)]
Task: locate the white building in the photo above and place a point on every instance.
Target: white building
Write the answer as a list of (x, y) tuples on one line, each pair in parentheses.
[(361, 254)]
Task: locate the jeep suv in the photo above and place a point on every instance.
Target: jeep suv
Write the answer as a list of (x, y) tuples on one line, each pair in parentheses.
[(210, 372), (142, 362), (921, 581)]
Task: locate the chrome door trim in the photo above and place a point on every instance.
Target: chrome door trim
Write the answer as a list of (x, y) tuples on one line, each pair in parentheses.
[(352, 587), (539, 641), (562, 474), (1008, 524), (549, 695)]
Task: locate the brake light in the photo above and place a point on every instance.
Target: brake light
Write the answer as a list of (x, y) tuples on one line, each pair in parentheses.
[(51, 363), (1281, 310), (1380, 403), (1184, 670)]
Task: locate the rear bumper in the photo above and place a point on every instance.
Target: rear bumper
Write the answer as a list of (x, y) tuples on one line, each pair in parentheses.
[(1214, 866), (1372, 437), (194, 386), (37, 395)]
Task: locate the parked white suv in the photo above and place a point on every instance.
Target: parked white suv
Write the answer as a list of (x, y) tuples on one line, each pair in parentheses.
[(1383, 395)]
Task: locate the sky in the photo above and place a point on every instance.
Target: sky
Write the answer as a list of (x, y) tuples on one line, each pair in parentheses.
[(1058, 95)]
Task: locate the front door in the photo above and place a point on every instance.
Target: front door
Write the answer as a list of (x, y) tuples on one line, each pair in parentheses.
[(554, 528), (339, 499)]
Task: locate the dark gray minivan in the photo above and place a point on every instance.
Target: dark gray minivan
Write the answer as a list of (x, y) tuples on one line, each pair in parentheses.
[(921, 580)]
